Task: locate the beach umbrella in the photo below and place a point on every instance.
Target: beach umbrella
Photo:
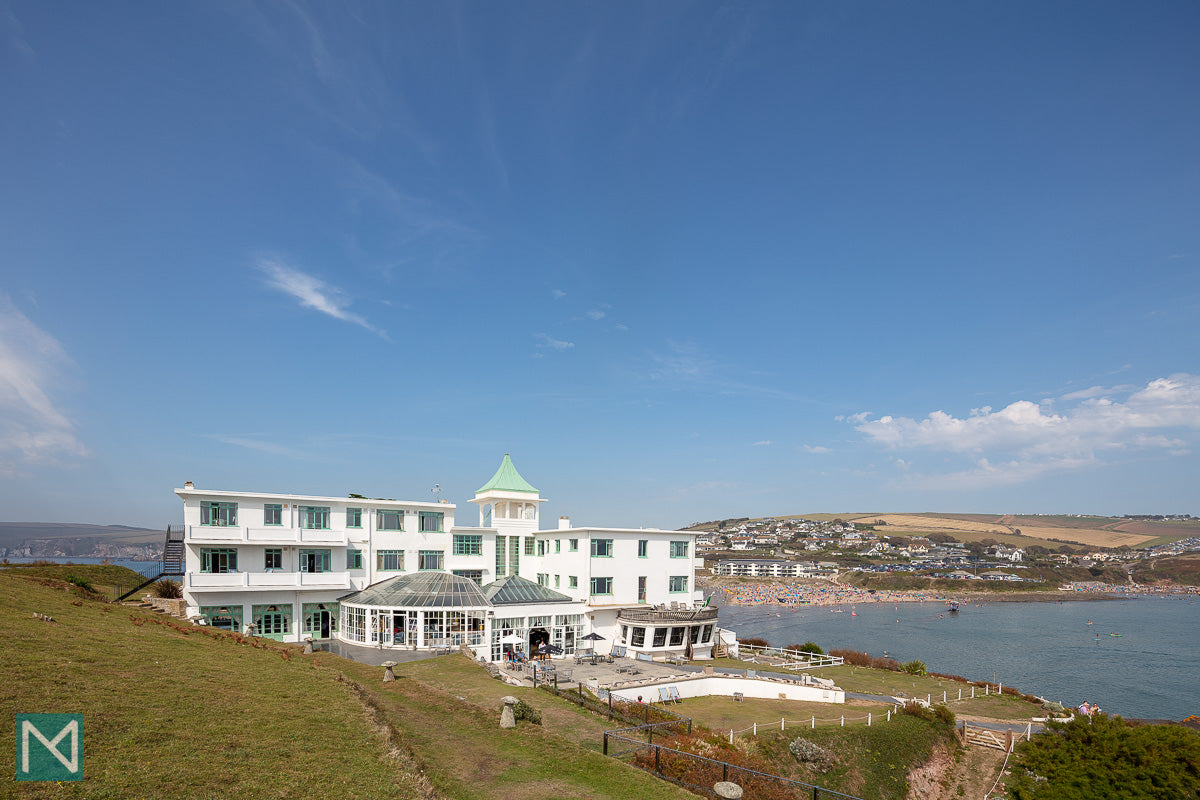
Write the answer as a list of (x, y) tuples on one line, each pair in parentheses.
[(592, 637), (548, 649), (512, 638)]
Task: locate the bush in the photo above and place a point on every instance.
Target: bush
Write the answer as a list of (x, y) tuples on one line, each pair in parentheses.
[(811, 754), (166, 588), (859, 659), (811, 647), (915, 667), (82, 583), (944, 715), (526, 712), (755, 641)]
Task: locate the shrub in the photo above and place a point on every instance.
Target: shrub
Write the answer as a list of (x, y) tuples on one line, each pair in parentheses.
[(915, 667), (944, 715), (811, 754), (82, 583), (811, 647), (860, 659), (755, 641), (526, 712), (166, 588)]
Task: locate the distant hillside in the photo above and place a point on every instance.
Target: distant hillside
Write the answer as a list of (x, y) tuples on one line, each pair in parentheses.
[(77, 539)]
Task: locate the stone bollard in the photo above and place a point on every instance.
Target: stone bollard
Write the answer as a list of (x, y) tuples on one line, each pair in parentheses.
[(727, 790), (508, 719), (388, 675), (308, 640)]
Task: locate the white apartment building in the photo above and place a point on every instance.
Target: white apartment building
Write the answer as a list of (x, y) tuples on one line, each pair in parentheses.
[(395, 573)]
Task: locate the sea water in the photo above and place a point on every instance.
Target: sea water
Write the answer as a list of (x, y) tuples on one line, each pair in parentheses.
[(1062, 651)]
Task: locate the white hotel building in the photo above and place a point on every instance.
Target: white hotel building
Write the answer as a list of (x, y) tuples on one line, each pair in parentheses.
[(402, 574)]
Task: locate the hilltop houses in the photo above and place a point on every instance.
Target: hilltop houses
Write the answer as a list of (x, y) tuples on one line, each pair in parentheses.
[(405, 574)]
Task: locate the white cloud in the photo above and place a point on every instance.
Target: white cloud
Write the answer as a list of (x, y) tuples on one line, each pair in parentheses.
[(816, 448), (546, 340), (621, 326), (558, 294), (763, 443), (1026, 439), (595, 314), (311, 292), (32, 429), (251, 443)]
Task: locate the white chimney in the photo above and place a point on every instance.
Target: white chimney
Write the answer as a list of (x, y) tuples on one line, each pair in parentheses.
[(564, 523)]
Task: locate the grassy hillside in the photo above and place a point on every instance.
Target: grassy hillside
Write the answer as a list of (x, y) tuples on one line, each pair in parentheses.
[(173, 710)]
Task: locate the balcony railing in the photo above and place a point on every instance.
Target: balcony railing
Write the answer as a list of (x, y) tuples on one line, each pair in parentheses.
[(230, 581), (667, 614), (233, 534)]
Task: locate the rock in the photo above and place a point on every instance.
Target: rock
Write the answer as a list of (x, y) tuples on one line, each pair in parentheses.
[(388, 675), (508, 718)]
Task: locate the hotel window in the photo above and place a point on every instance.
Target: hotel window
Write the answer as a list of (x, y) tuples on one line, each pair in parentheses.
[(467, 545), (572, 581), (677, 636), (558, 545), (677, 583), (528, 545), (275, 620), (695, 634), (470, 574), (389, 520), (429, 559), (354, 559), (660, 637), (556, 578), (315, 561), (389, 560), (219, 515), (704, 637), (573, 545), (500, 563), (601, 585), (314, 518), (643, 544), (679, 549), (227, 618), (541, 578), (272, 514), (274, 558), (431, 521), (353, 517), (541, 547), (602, 548), (639, 638), (218, 560)]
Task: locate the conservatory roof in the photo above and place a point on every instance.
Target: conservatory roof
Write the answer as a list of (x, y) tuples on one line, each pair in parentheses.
[(515, 590), (421, 590)]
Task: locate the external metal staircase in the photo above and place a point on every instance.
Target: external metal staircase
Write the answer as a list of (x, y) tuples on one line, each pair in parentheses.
[(170, 567)]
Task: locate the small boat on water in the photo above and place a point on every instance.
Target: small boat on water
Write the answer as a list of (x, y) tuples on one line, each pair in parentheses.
[(953, 608)]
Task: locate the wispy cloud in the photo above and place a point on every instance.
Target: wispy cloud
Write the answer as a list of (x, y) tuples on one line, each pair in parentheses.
[(32, 429), (250, 442), (1025, 440), (594, 314), (558, 294), (816, 448), (763, 443), (545, 340), (312, 292), (685, 365)]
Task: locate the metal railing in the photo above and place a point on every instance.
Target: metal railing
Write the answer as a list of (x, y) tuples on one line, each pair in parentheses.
[(651, 614)]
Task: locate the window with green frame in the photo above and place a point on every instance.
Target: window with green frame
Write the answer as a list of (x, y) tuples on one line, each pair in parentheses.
[(602, 548), (429, 559), (431, 521), (602, 586), (353, 517), (354, 559), (273, 558), (316, 560), (470, 574), (572, 581), (541, 547), (467, 545), (389, 560), (273, 514), (389, 520), (573, 545), (227, 618), (558, 545), (219, 559), (677, 583), (272, 620), (314, 518), (528, 545), (679, 549), (218, 515), (643, 547)]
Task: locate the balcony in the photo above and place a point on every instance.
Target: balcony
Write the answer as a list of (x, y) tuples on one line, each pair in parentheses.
[(234, 534), (266, 581), (652, 615)]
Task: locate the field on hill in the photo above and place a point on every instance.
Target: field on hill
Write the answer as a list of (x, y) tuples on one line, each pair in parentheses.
[(1015, 530)]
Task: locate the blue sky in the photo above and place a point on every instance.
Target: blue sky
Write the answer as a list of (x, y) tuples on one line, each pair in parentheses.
[(682, 260)]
